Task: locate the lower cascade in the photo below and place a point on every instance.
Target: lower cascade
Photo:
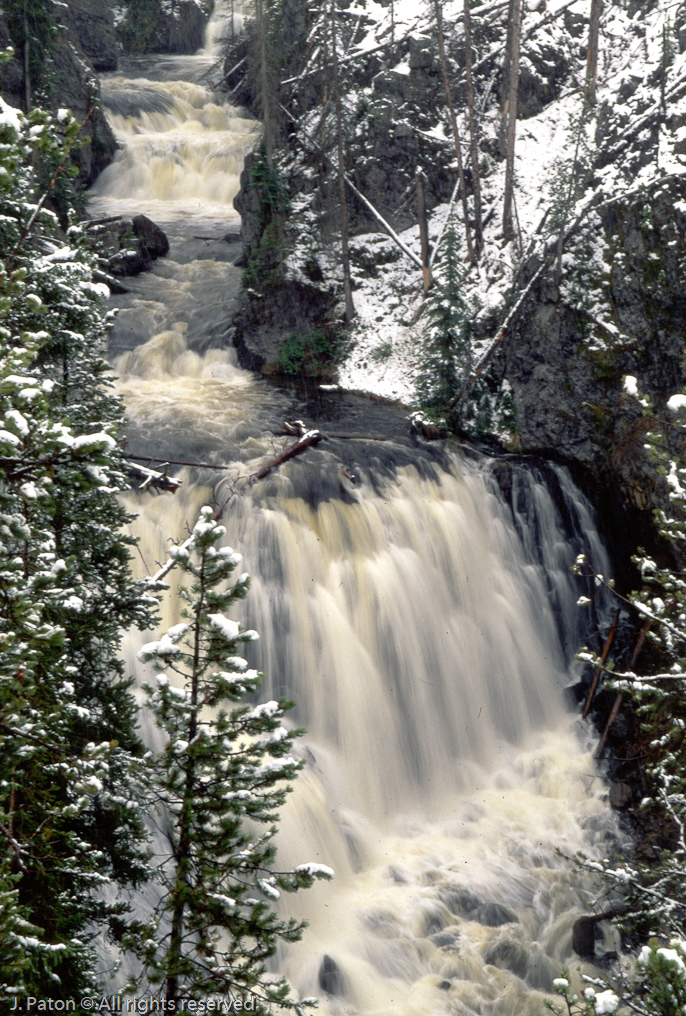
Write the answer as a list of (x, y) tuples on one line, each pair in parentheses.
[(422, 619)]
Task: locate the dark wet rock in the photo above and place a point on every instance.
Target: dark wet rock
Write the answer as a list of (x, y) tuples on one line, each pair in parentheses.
[(575, 694), (331, 979), (621, 795), (91, 23), (162, 28), (460, 901), (569, 396), (584, 933), (263, 320), (70, 84), (433, 920), (444, 940), (493, 915), (122, 98), (126, 246), (606, 960), (508, 955), (151, 236)]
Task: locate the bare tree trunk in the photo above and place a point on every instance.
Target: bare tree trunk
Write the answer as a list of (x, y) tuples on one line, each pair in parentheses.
[(423, 229), (342, 199), (504, 100), (456, 132), (27, 60), (473, 134), (262, 29), (514, 24), (592, 53)]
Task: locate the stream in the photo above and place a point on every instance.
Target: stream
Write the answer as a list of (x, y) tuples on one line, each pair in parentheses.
[(423, 621)]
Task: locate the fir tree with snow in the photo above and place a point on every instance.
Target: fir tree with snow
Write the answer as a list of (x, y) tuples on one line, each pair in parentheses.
[(69, 818), (219, 780), (447, 358)]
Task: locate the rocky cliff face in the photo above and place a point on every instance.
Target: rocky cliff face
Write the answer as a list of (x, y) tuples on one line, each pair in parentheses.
[(567, 385), (152, 26), (614, 305), (91, 24), (86, 31)]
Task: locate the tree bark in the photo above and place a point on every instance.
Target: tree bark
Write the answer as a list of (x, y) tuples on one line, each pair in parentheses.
[(473, 133), (592, 52), (596, 677), (456, 132), (261, 17), (185, 823), (423, 229), (343, 203), (27, 61), (308, 440), (514, 24)]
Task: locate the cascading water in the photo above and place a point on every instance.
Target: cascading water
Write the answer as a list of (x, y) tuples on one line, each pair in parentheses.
[(422, 622)]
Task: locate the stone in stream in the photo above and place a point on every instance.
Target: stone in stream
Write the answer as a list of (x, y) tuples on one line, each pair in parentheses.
[(331, 979), (492, 915), (126, 246), (583, 937)]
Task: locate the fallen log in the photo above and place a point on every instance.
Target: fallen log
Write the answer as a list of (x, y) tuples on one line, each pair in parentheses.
[(617, 704), (152, 477), (309, 439), (606, 649)]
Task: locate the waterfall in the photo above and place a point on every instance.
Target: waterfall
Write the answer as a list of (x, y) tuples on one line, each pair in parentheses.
[(423, 619)]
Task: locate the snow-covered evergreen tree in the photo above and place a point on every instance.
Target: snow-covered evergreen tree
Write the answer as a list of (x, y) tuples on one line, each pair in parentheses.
[(446, 355), (221, 777), (69, 822), (448, 387)]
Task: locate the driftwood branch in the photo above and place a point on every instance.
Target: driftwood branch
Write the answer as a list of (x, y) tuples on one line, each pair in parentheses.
[(152, 477), (617, 704), (596, 677), (307, 439)]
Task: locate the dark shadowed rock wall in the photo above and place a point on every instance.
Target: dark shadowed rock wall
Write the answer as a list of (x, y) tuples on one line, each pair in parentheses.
[(70, 80), (153, 27), (568, 391)]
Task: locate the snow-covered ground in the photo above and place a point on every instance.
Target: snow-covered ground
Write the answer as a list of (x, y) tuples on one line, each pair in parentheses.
[(387, 332)]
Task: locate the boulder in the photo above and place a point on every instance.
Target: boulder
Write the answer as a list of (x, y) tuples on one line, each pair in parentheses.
[(331, 979), (126, 246), (493, 915), (263, 320), (583, 937)]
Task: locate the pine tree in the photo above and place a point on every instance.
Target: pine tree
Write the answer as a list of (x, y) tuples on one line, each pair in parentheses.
[(223, 773), (69, 822), (447, 359)]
